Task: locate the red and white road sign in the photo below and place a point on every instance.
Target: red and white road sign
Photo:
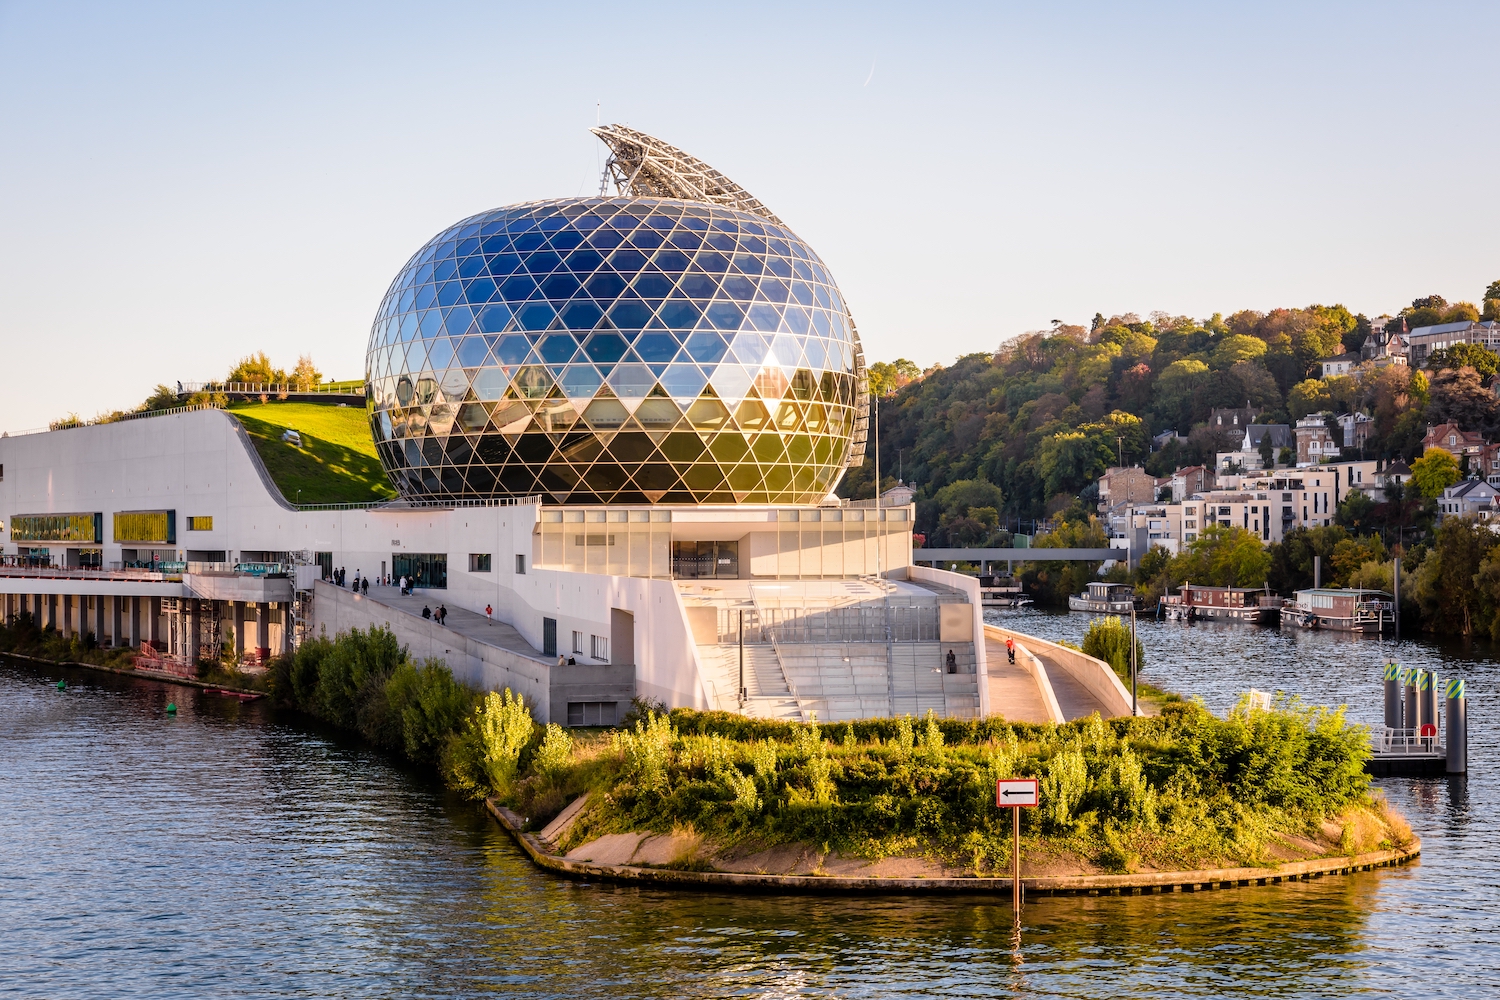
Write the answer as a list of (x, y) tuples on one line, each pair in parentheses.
[(1016, 792)]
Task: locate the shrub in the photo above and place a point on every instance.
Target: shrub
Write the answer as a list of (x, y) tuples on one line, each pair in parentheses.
[(1108, 639)]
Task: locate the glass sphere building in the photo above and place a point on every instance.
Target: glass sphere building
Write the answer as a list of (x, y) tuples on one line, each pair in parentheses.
[(616, 350)]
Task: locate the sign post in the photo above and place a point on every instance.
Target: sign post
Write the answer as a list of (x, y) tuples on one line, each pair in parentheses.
[(1016, 794)]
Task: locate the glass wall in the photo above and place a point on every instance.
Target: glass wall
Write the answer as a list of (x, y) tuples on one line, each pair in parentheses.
[(421, 569), (57, 528), (159, 526)]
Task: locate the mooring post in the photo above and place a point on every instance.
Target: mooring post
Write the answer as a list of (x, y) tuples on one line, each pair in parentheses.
[(1392, 696), (1409, 718), (1427, 695), (1458, 728), (1317, 572)]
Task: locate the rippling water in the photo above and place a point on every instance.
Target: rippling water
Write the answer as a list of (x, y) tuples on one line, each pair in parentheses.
[(236, 851)]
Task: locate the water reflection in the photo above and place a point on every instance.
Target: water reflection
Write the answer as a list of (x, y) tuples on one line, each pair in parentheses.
[(235, 850)]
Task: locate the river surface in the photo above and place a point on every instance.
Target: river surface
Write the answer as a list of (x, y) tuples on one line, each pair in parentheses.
[(233, 850)]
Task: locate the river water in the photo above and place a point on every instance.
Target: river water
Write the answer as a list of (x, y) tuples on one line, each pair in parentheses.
[(233, 850)]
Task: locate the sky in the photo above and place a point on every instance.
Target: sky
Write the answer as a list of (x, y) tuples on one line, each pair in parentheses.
[(182, 184)]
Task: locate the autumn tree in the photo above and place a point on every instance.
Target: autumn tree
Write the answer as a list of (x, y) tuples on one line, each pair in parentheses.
[(1434, 472)]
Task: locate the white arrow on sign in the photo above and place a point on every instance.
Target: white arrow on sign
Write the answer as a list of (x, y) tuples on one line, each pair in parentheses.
[(1016, 792)]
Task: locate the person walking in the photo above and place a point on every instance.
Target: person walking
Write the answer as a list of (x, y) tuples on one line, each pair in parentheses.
[(403, 585), (364, 587), (443, 615), (426, 611), (1010, 648), (489, 612)]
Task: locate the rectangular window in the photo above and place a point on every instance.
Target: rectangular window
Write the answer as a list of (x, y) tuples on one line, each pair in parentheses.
[(479, 562), (200, 524), (599, 647), (520, 564), (57, 527), (325, 563), (428, 570), (577, 642), (591, 713), (158, 526)]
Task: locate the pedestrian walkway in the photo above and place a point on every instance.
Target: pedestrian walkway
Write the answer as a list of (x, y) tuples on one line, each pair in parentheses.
[(469, 624), (1073, 698), (1014, 694)]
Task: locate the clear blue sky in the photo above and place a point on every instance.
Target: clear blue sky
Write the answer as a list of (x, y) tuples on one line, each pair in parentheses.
[(182, 184)]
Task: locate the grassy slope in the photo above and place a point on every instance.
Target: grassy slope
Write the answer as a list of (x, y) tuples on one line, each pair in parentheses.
[(337, 461)]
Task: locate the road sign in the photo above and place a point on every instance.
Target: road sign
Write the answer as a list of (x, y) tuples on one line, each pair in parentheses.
[(1016, 792)]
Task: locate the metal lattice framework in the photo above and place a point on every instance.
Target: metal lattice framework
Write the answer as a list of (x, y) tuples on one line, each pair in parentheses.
[(642, 166)]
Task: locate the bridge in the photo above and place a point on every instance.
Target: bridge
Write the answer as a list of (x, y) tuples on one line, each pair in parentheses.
[(981, 557)]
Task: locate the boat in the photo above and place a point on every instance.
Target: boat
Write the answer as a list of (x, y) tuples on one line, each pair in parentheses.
[(1340, 610), (1002, 592), (1105, 599), (1198, 602)]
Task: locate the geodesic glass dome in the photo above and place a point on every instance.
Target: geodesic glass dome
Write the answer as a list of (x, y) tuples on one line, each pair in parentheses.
[(616, 350)]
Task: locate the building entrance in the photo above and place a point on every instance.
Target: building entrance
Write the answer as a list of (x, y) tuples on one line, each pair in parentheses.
[(706, 560)]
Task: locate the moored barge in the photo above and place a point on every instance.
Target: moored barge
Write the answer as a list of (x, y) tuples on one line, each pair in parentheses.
[(1341, 610), (1104, 599), (1198, 602)]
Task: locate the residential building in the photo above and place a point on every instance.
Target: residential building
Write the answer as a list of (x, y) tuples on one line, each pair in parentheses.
[(1426, 339), (1315, 442), (1385, 345), (1454, 440), (1470, 498), (1488, 465), (1392, 474), (1343, 364), (1247, 455), (1193, 479), (1233, 417), (1357, 428), (1130, 484)]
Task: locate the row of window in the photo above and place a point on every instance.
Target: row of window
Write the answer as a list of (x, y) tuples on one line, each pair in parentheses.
[(598, 647)]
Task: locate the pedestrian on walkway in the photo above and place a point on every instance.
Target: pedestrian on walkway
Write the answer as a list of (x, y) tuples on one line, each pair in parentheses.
[(1010, 648), (443, 614), (403, 585), (489, 612), (952, 663), (426, 611), (364, 586)]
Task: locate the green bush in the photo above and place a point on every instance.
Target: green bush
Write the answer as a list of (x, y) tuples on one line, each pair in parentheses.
[(1108, 639)]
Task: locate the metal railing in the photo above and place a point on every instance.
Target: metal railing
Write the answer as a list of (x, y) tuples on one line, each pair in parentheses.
[(115, 571), (1404, 742), (112, 418), (349, 388), (398, 504), (861, 623)]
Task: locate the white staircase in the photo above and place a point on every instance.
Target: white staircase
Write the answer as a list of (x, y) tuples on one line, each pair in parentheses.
[(768, 695)]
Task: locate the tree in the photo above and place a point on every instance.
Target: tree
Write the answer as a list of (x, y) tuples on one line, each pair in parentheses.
[(1308, 396), (1434, 472), (1458, 395), (1476, 356), (1223, 556), (1267, 452), (1069, 460), (255, 368), (1236, 348), (1492, 301), (163, 397), (1356, 511), (306, 374)]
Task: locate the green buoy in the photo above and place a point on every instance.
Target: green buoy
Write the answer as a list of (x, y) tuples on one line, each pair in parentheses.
[(62, 685), (171, 708)]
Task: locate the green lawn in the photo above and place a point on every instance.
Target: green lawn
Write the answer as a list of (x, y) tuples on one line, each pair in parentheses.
[(337, 461)]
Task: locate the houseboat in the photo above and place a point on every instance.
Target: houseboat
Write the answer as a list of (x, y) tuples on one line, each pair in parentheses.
[(1342, 610), (1002, 592), (1237, 604), (1104, 599)]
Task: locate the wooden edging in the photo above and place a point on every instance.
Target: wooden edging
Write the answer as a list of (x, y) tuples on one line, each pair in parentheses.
[(150, 675), (1144, 883)]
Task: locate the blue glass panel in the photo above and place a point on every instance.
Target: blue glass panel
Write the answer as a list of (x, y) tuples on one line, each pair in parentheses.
[(587, 222), (518, 289), (520, 224), (408, 297), (631, 381), (752, 244), (661, 221), (720, 241), (426, 296), (558, 348), (802, 293), (409, 326), (449, 292), (552, 224), (561, 285), (820, 323), (583, 262), (606, 285), (695, 217), (513, 349), (439, 353), (457, 319), (749, 348), (580, 381), (542, 262), (536, 316), (473, 352), (445, 270), (492, 318), (495, 244), (627, 261), (605, 239), (581, 314), (645, 239), (671, 260), (683, 381), (821, 296), (802, 270), (714, 263), (725, 315), (504, 264), (779, 266), (652, 284), (479, 291), (424, 274), (698, 286), (657, 347), (706, 348), (776, 245), (817, 353), (605, 348), (738, 287), (685, 239), (490, 383), (679, 314), (774, 289), (432, 323), (470, 266), (796, 319), (629, 315), (529, 241), (566, 240), (470, 245)]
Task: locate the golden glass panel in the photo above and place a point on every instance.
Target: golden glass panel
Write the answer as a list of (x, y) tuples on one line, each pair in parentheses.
[(752, 415), (605, 413), (707, 414)]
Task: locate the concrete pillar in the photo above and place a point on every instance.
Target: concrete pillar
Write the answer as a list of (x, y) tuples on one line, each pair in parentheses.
[(286, 628), (52, 610), (153, 619), (114, 622), (263, 630), (239, 629), (135, 620)]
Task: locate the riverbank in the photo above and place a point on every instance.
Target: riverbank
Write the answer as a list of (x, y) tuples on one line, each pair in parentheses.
[(215, 682), (820, 881)]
